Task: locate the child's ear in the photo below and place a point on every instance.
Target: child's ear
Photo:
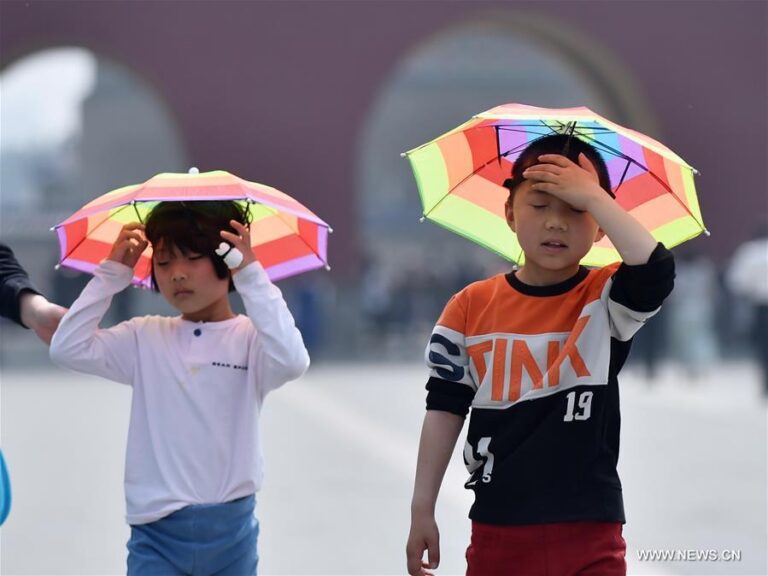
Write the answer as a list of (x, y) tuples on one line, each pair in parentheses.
[(510, 214), (600, 235)]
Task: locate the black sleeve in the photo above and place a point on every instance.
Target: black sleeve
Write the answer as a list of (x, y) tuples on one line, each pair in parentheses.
[(449, 396), (644, 287), (13, 281)]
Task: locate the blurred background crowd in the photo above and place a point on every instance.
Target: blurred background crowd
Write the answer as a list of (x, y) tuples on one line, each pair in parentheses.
[(319, 99)]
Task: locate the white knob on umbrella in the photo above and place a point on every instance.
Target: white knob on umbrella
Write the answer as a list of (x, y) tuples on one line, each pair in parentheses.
[(194, 170)]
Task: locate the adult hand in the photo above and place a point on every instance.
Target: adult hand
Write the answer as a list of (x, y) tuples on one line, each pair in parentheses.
[(575, 184), (241, 241), (129, 245), (39, 315)]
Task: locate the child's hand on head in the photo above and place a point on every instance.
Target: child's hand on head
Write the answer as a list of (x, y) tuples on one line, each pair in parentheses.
[(241, 242), (129, 245), (575, 184)]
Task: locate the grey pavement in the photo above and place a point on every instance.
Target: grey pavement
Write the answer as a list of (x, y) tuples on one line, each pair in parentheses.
[(340, 449)]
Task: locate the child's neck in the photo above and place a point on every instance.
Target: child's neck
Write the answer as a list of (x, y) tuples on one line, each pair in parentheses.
[(538, 276), (218, 311)]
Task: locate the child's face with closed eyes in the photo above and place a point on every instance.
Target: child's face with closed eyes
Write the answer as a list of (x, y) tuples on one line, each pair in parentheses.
[(554, 235), (188, 281)]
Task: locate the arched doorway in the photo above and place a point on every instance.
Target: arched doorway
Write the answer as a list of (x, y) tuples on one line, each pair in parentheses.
[(75, 124)]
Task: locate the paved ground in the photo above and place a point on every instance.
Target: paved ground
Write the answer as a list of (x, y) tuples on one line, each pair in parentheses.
[(341, 450)]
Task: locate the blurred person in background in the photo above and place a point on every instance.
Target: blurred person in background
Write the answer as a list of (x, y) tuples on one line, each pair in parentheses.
[(650, 345), (691, 310), (747, 277), (20, 302)]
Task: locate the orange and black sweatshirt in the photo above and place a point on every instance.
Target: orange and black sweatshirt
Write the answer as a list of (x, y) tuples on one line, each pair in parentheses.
[(538, 367)]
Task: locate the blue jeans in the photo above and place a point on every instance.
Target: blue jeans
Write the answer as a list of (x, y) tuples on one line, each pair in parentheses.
[(200, 540)]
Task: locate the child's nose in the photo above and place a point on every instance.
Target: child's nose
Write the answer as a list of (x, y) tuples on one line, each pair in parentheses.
[(178, 274), (556, 221)]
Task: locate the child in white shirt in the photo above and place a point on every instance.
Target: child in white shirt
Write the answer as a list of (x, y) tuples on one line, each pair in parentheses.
[(194, 460)]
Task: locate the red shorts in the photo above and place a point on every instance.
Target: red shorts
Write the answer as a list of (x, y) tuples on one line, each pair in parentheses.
[(568, 549)]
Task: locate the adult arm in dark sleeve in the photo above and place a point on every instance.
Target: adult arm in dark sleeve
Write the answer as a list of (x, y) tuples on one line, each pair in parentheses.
[(14, 281), (22, 303)]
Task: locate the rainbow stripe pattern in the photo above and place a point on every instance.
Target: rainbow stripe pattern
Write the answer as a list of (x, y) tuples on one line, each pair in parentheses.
[(459, 176), (286, 237)]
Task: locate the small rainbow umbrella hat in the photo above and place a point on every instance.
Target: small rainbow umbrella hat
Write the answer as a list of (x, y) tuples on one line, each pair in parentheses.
[(459, 176), (286, 237)]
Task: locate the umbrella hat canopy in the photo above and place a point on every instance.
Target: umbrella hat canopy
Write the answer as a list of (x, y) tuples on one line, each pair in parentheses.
[(286, 237), (460, 174)]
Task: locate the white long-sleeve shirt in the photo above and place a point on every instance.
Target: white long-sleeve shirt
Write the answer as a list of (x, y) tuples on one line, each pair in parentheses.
[(198, 388)]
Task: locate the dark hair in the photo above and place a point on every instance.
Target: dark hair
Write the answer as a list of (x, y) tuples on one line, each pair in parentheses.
[(194, 227), (565, 145)]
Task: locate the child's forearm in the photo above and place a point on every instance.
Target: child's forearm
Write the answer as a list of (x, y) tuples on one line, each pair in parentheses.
[(629, 237), (78, 343), (281, 340), (438, 438)]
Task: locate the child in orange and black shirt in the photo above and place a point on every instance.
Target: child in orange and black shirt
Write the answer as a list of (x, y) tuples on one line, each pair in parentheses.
[(536, 354)]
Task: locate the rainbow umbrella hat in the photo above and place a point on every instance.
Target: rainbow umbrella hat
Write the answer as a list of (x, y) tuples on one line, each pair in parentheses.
[(459, 176), (286, 237)]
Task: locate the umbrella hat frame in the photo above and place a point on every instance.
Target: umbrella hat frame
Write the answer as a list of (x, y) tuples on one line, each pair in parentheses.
[(459, 176), (286, 237)]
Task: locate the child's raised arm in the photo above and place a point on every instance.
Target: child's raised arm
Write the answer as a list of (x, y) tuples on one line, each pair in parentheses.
[(577, 185), (78, 343), (279, 348), (438, 438)]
